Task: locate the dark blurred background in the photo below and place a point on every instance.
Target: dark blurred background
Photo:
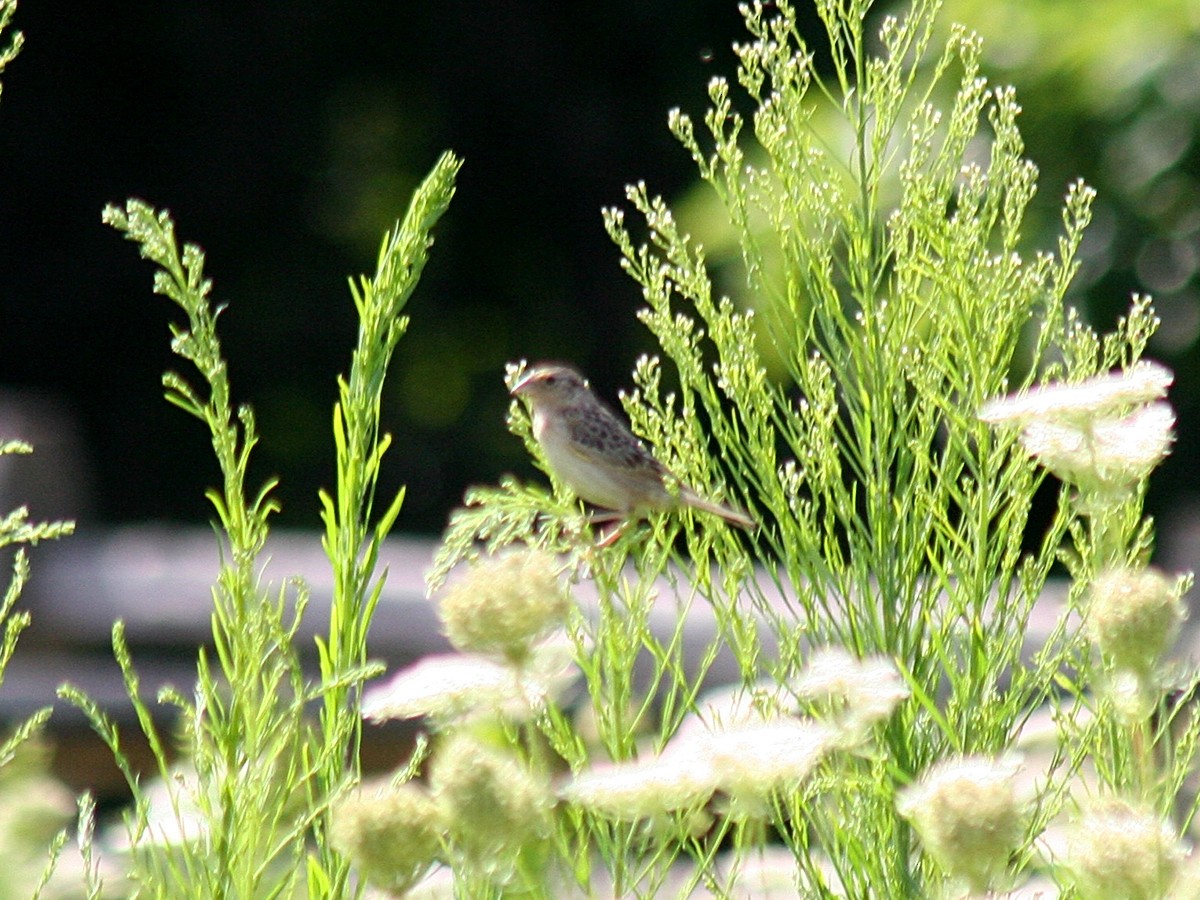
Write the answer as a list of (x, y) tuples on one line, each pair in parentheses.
[(286, 137)]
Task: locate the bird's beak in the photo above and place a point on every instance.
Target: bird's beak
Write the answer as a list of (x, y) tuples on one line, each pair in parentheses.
[(519, 388)]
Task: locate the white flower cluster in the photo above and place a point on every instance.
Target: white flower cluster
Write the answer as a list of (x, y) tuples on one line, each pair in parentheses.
[(499, 616), (969, 817), (851, 694), (747, 748), (746, 763), (458, 686), (1105, 433), (1115, 848)]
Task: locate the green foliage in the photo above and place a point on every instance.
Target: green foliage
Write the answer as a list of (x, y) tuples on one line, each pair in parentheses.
[(891, 292), (878, 615), (16, 530), (235, 818), (15, 39), (1120, 77), (353, 534), (29, 796), (232, 824)]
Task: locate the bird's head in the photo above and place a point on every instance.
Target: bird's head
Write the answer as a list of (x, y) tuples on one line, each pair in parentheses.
[(551, 384)]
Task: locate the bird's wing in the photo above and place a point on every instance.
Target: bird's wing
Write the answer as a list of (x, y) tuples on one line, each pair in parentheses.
[(599, 436)]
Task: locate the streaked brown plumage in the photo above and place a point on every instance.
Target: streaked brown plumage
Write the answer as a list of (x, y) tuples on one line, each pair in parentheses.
[(594, 453)]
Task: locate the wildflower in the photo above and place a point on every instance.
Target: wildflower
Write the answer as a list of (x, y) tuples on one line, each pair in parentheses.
[(1115, 453), (1134, 616), (504, 604), (731, 706), (451, 686), (752, 748), (1101, 396), (746, 761), (644, 788), (1117, 850), (968, 817), (491, 802), (753, 761), (445, 686), (392, 833), (1105, 433), (853, 694)]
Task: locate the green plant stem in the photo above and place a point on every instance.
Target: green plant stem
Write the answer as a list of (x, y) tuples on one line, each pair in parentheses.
[(353, 534)]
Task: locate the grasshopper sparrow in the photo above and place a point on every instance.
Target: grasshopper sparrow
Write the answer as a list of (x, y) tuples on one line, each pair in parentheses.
[(595, 454)]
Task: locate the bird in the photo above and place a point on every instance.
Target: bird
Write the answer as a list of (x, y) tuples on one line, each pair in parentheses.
[(593, 452)]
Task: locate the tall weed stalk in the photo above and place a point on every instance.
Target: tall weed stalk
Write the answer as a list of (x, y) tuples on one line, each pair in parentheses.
[(245, 780)]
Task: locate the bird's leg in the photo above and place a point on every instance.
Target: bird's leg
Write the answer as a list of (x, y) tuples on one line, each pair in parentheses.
[(611, 538), (603, 518)]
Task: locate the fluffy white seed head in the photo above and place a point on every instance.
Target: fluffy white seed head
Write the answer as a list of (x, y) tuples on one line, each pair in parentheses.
[(392, 833), (504, 604), (1117, 849), (851, 694), (968, 816)]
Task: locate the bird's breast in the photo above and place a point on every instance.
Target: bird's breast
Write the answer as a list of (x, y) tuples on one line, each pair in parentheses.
[(587, 473)]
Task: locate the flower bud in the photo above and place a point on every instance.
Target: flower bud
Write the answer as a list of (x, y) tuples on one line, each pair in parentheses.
[(1134, 617), (504, 604), (1119, 850), (491, 803), (968, 817), (392, 833)]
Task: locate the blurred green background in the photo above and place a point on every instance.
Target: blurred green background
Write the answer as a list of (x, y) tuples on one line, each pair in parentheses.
[(286, 137)]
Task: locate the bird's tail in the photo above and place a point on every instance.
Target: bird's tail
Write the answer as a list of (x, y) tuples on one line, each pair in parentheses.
[(728, 513)]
